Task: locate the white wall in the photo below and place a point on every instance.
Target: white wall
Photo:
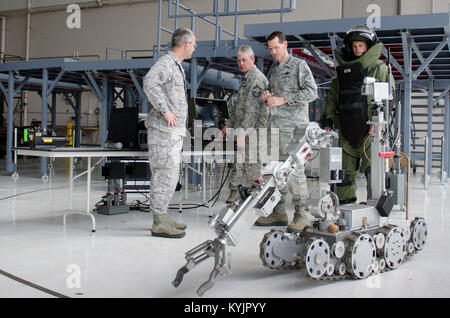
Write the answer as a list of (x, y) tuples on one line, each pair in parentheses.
[(354, 9), (440, 5), (415, 6)]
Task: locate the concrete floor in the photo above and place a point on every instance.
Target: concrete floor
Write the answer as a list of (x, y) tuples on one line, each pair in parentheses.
[(122, 259)]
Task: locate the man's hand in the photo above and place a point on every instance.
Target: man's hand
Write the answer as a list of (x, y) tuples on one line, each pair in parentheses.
[(265, 95), (171, 119), (372, 129), (222, 132), (276, 101)]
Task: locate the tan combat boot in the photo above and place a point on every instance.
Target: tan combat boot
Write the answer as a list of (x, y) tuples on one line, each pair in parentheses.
[(233, 196), (277, 218), (177, 225), (300, 220), (163, 227)]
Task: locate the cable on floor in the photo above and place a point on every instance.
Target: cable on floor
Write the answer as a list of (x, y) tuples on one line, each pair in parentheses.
[(142, 206), (32, 285)]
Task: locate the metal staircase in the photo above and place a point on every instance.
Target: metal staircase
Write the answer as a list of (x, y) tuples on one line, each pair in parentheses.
[(421, 131)]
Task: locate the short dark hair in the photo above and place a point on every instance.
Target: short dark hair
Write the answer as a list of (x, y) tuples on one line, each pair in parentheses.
[(277, 34), (181, 36)]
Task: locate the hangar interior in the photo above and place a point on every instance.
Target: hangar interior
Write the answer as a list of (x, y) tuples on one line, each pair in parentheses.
[(57, 73)]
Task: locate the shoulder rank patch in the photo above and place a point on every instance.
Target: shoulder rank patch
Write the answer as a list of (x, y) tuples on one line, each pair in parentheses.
[(256, 92)]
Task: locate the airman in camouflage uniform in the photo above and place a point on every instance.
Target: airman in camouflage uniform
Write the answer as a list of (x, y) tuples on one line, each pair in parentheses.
[(249, 113), (292, 87), (165, 88)]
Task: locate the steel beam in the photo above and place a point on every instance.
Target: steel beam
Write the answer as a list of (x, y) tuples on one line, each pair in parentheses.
[(392, 60), (202, 74), (44, 97), (231, 13), (443, 94), (94, 86), (10, 166), (136, 83), (430, 58), (194, 82), (406, 118), (52, 85), (38, 81), (104, 112), (398, 22), (77, 135), (193, 15), (407, 56), (421, 59), (334, 46), (36, 64), (18, 88), (317, 55), (3, 89), (430, 128), (69, 100), (53, 110), (446, 154), (144, 63)]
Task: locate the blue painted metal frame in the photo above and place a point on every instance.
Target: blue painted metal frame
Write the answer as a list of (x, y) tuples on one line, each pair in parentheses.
[(430, 127), (9, 137), (70, 76), (402, 22), (446, 155)]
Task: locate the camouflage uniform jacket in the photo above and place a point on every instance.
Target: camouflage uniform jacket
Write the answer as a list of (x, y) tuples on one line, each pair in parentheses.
[(164, 85), (248, 110), (293, 80)]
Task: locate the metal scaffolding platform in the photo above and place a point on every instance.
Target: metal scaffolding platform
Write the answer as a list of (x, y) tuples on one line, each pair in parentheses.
[(108, 80)]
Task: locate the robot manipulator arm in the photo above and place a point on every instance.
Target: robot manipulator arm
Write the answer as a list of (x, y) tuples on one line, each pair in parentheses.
[(234, 221), (230, 225)]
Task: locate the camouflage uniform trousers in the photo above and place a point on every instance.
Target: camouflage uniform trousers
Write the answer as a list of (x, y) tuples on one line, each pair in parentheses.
[(245, 169), (297, 181), (164, 155)]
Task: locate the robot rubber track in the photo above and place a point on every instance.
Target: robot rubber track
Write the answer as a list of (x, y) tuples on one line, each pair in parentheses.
[(351, 255)]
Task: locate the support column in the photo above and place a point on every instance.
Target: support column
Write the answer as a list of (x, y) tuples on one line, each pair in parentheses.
[(54, 112), (407, 94), (10, 166), (77, 135), (446, 155), (260, 63), (144, 105), (430, 128), (104, 112), (43, 167), (193, 77), (2, 105), (406, 116)]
